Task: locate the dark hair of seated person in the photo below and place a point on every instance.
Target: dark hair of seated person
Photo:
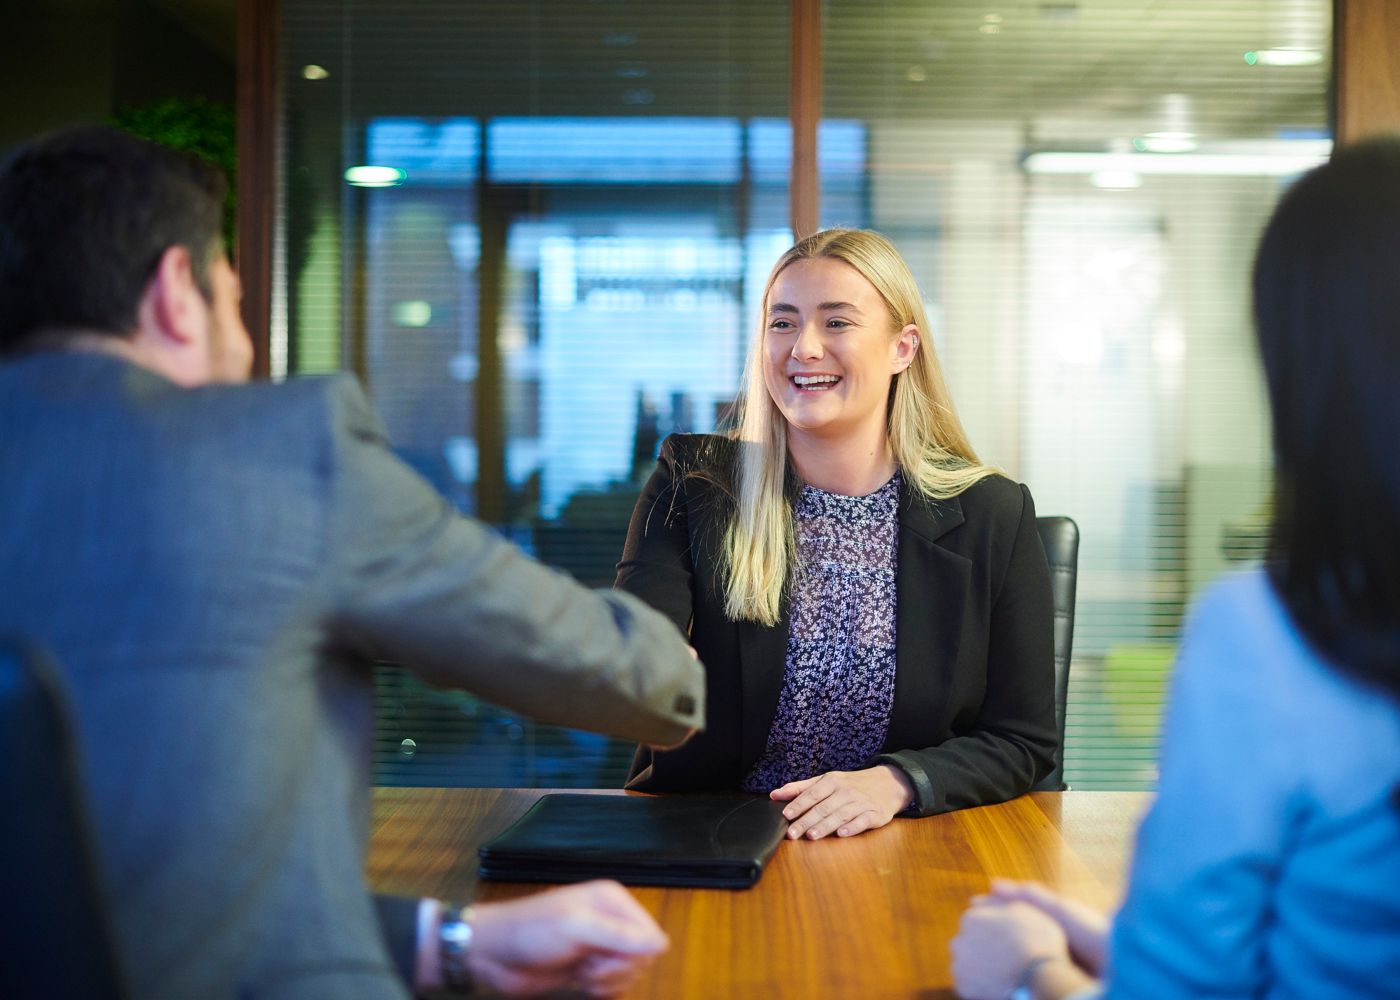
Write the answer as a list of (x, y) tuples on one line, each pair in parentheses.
[(1327, 316), (85, 215)]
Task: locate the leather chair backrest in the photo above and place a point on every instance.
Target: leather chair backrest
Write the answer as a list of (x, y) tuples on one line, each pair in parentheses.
[(55, 933), (1060, 536)]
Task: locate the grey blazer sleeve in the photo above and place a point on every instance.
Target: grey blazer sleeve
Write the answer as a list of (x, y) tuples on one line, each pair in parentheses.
[(413, 581), (398, 919)]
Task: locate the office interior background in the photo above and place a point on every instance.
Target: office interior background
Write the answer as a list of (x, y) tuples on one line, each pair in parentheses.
[(539, 230)]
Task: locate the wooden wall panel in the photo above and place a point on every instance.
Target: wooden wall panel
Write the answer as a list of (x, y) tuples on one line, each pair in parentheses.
[(1367, 39), (805, 107), (258, 110)]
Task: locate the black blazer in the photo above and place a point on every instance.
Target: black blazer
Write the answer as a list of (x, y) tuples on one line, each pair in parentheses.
[(973, 720)]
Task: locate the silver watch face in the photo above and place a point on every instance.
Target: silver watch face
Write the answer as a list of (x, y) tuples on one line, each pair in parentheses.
[(456, 933)]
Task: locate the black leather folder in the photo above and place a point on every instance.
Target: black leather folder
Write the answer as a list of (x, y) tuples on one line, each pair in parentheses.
[(703, 841)]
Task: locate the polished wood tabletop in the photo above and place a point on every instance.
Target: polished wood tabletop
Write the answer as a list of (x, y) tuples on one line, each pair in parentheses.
[(866, 917)]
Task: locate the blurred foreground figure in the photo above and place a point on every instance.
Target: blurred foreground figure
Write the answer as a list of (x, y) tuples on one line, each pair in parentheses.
[(217, 565), (1270, 863)]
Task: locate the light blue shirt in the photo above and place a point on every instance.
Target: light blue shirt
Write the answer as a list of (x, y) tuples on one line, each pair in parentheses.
[(1269, 865)]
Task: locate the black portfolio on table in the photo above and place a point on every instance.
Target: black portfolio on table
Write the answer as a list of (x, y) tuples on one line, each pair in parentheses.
[(703, 841)]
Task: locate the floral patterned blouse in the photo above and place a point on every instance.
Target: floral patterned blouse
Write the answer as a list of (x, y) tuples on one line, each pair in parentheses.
[(838, 686)]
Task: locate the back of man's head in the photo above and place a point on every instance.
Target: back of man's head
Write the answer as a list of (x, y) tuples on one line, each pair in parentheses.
[(85, 215)]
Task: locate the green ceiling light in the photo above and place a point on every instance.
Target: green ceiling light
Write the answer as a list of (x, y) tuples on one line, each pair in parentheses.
[(1166, 142), (374, 177), (1291, 56)]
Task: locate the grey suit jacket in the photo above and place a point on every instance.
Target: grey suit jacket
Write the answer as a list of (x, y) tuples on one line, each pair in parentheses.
[(215, 569)]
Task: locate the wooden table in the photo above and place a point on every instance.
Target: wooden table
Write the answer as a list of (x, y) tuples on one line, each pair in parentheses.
[(869, 917)]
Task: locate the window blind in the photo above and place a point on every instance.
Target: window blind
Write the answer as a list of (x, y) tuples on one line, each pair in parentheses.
[(1079, 185), (579, 202)]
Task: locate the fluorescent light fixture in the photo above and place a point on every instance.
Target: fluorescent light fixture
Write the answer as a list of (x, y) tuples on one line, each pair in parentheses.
[(1116, 179), (1166, 142), (374, 177), (1283, 57), (1244, 158)]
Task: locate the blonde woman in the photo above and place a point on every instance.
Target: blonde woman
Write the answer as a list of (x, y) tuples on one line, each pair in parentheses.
[(871, 602)]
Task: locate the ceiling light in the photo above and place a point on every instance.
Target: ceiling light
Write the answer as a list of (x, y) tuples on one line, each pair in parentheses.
[(1256, 158), (314, 72), (1166, 142), (990, 29), (1283, 57), (415, 312), (374, 177), (992, 18), (916, 74), (1116, 179)]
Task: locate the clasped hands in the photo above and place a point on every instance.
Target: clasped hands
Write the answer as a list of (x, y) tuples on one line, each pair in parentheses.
[(844, 802), (1019, 928)]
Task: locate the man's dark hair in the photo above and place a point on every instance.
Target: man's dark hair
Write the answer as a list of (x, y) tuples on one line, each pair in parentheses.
[(85, 215), (1327, 317)]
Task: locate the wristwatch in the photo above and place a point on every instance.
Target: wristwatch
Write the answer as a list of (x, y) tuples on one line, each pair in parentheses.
[(454, 939), (1023, 989)]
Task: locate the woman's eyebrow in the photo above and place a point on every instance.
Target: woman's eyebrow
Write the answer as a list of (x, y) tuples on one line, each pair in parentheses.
[(787, 307)]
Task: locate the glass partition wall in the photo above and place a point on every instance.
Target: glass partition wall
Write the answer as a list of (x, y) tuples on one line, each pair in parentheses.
[(538, 231)]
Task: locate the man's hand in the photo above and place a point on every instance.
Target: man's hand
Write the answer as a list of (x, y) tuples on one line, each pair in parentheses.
[(594, 937), (844, 802)]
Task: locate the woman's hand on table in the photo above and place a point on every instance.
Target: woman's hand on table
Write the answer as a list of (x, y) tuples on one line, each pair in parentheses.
[(844, 802), (594, 937)]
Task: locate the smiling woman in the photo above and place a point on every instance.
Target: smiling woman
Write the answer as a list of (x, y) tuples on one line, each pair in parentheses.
[(872, 604)]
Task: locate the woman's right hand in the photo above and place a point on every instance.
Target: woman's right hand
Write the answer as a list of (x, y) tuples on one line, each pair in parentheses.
[(1085, 929)]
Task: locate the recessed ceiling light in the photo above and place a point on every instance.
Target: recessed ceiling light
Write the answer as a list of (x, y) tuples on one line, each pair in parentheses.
[(370, 176), (992, 18), (990, 29), (916, 74), (314, 72), (1283, 57)]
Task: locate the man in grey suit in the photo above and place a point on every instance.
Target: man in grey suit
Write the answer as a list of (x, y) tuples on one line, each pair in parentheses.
[(215, 566)]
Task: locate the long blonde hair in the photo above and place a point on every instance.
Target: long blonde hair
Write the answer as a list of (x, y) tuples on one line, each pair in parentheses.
[(925, 435)]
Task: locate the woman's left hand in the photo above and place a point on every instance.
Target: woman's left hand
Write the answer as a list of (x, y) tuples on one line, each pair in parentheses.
[(999, 943), (844, 802)]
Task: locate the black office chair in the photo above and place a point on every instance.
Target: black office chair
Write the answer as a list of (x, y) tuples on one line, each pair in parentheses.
[(55, 937), (1060, 536)]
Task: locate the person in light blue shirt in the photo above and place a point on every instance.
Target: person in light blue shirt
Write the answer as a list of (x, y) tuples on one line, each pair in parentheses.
[(1269, 865)]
